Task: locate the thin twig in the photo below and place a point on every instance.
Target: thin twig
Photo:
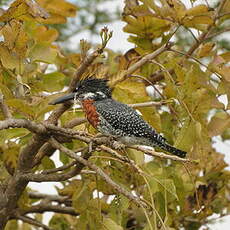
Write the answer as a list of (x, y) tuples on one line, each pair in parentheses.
[(32, 221), (198, 61), (140, 63), (61, 168), (5, 110), (148, 104), (40, 177), (212, 35), (160, 154)]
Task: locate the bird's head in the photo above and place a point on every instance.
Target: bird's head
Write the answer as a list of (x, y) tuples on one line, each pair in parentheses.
[(91, 88)]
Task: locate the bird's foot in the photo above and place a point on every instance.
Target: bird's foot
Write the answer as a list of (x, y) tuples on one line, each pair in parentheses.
[(118, 146)]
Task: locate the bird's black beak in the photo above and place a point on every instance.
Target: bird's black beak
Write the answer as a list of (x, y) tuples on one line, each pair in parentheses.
[(63, 99)]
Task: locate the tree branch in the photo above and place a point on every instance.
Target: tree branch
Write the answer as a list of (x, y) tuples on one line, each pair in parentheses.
[(147, 104), (23, 123), (141, 62), (44, 207), (32, 221), (160, 154), (212, 35), (41, 177), (75, 122), (61, 168), (55, 198), (103, 175), (5, 110)]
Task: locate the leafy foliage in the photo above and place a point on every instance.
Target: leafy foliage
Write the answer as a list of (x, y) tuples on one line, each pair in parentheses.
[(189, 80)]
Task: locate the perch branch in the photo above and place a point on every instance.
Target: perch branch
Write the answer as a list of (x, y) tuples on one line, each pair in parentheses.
[(103, 175), (32, 221), (160, 154)]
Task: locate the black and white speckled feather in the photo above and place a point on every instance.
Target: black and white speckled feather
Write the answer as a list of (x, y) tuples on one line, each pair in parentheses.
[(127, 125)]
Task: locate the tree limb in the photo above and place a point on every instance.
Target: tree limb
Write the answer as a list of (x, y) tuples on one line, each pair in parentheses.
[(56, 198), (104, 176), (32, 221), (141, 62), (41, 177), (5, 110), (46, 207), (160, 154)]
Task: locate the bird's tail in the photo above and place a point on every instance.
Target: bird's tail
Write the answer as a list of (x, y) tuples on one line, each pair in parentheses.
[(173, 150), (161, 143)]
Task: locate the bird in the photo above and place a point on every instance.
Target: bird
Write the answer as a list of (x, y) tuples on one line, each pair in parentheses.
[(113, 118)]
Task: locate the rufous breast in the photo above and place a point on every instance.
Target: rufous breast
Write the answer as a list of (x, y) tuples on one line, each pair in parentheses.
[(91, 113)]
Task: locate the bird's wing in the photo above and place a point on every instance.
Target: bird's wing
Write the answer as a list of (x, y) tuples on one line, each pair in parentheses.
[(124, 118)]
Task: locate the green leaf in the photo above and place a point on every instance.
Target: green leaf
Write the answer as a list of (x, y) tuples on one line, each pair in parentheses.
[(197, 10), (43, 52), (186, 136), (218, 124), (47, 163), (59, 222), (11, 225), (53, 81), (70, 188), (20, 105), (109, 224), (81, 197), (9, 59), (10, 157), (12, 133)]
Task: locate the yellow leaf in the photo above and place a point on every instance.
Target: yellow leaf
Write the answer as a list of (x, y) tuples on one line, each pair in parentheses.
[(15, 38), (202, 20), (17, 9), (218, 124), (43, 52), (43, 34), (205, 49), (197, 10), (59, 7), (196, 22), (110, 224), (146, 26), (225, 72), (53, 19), (20, 105), (10, 157), (9, 60), (187, 136), (226, 56), (23, 9), (130, 91)]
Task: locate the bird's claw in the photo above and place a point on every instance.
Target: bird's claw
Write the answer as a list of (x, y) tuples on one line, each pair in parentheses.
[(118, 146)]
